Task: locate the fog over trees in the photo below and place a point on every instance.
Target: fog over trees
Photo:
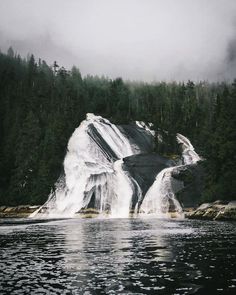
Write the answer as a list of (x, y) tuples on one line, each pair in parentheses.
[(133, 39)]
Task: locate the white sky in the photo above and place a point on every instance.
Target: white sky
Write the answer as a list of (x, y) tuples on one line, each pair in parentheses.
[(135, 39)]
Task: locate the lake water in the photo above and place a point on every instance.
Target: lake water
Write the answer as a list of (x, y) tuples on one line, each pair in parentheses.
[(118, 256)]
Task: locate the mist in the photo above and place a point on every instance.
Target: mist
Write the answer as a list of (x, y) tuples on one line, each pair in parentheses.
[(133, 39)]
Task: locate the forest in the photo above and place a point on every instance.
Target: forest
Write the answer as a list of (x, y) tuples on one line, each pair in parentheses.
[(41, 105)]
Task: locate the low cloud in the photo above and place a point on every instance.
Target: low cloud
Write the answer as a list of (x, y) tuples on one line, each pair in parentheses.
[(134, 39)]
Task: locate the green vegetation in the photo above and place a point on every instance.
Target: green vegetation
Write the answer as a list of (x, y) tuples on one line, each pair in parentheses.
[(41, 106)]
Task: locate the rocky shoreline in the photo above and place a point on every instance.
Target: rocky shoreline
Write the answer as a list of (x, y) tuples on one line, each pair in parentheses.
[(218, 210), (22, 211)]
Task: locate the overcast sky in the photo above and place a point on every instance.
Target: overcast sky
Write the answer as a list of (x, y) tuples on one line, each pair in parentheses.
[(135, 39)]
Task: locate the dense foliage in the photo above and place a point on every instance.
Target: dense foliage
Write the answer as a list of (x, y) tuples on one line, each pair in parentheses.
[(42, 105)]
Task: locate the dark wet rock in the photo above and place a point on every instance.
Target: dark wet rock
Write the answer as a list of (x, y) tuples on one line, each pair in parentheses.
[(139, 137), (192, 178), (144, 169)]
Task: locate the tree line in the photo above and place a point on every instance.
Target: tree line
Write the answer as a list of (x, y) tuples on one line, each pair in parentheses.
[(41, 105)]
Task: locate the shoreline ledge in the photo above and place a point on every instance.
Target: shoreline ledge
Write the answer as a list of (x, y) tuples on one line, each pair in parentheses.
[(22, 211), (218, 210)]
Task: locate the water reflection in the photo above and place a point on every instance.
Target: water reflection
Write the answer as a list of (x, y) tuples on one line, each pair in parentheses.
[(131, 255), (118, 256)]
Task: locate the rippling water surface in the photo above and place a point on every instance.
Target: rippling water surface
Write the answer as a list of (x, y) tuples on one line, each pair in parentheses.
[(118, 256)]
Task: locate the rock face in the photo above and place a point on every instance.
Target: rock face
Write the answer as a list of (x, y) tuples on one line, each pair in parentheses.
[(139, 137), (192, 178), (219, 210), (144, 169)]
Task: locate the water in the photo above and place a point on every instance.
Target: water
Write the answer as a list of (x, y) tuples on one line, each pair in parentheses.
[(118, 256)]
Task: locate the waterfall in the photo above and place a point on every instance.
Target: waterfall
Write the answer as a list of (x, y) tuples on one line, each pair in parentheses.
[(121, 201), (158, 197), (93, 172), (161, 195), (95, 177), (188, 154)]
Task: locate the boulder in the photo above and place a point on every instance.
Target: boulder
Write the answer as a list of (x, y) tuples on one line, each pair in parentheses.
[(140, 138), (192, 178), (228, 213), (17, 211), (219, 210)]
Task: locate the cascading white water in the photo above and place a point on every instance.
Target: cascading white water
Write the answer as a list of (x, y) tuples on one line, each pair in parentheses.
[(92, 168), (121, 201), (188, 154), (95, 178), (161, 194), (145, 126)]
